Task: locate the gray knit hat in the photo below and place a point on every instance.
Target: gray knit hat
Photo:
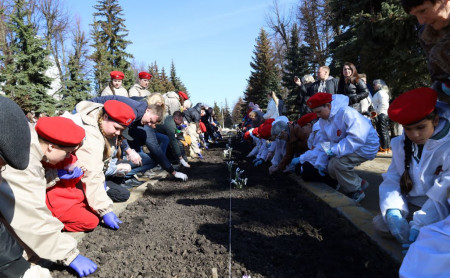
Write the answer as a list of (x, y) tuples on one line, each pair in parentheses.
[(14, 135)]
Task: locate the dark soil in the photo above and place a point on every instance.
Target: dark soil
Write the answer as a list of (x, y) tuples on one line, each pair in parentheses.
[(278, 230)]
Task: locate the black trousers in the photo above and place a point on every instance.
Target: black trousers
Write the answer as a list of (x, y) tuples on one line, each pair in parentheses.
[(312, 174), (383, 130)]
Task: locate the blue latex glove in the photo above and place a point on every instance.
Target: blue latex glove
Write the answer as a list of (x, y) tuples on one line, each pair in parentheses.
[(398, 225), (66, 175), (321, 171), (83, 266), (254, 160), (259, 162), (111, 220), (295, 160), (183, 126), (330, 153), (413, 234), (200, 156)]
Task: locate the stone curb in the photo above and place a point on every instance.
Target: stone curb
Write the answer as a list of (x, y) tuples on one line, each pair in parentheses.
[(359, 216), (135, 194)]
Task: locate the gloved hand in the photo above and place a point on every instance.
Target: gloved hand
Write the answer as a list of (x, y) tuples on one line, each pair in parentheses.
[(258, 162), (321, 171), (413, 234), (330, 153), (134, 157), (295, 161), (66, 175), (398, 225), (122, 169), (254, 160), (184, 163), (83, 266), (199, 145), (111, 220), (181, 176), (183, 126), (200, 156)]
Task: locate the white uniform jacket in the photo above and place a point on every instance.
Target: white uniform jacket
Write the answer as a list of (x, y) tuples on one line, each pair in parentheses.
[(91, 156), (348, 132), (22, 203), (118, 92), (313, 145), (430, 176), (380, 102), (272, 110), (138, 91)]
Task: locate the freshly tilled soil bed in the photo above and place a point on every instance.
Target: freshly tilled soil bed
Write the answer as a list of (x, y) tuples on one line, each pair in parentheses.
[(278, 230)]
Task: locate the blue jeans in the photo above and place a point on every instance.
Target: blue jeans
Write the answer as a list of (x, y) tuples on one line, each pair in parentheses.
[(163, 141), (147, 164)]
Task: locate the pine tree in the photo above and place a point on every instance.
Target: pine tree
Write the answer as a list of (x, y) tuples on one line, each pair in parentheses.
[(218, 114), (236, 114), (176, 82), (23, 75), (264, 75), (155, 85), (167, 85), (109, 33), (295, 65), (228, 122), (381, 40), (78, 87)]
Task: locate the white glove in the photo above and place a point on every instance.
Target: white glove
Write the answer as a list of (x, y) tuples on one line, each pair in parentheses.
[(37, 271), (181, 176), (184, 163), (122, 169), (134, 157)]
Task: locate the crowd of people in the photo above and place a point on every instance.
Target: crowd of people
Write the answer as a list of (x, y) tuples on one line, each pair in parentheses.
[(343, 123), (63, 173)]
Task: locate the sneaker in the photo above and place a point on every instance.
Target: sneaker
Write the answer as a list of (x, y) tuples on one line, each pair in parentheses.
[(357, 195), (133, 182)]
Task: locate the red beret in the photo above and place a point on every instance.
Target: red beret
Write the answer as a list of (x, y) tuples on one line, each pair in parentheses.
[(319, 99), (413, 106), (119, 112), (61, 131), (265, 129), (255, 131), (183, 95), (202, 127), (145, 75), (117, 75), (307, 118), (247, 135)]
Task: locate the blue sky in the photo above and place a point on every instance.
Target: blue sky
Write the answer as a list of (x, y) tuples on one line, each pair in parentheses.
[(210, 41)]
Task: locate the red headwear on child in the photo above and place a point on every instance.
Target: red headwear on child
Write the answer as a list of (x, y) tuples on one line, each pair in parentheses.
[(117, 75), (307, 118), (319, 99), (413, 106)]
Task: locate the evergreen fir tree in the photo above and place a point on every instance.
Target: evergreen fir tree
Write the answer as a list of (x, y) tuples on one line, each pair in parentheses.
[(23, 75), (264, 76), (296, 65), (176, 82), (155, 84), (165, 82), (228, 122), (218, 114), (236, 114), (78, 86), (381, 40), (109, 33)]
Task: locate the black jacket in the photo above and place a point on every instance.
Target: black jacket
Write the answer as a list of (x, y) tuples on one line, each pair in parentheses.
[(193, 113), (331, 85), (355, 92)]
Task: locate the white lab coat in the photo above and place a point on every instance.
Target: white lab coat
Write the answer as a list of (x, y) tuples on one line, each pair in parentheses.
[(430, 176), (348, 132)]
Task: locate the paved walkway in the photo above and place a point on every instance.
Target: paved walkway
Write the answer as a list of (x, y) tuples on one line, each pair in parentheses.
[(361, 215)]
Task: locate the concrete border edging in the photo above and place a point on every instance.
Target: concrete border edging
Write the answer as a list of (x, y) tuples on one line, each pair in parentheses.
[(359, 216)]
